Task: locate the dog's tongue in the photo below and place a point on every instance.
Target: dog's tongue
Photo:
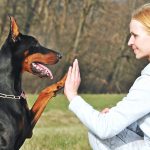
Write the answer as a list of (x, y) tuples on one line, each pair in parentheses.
[(44, 71)]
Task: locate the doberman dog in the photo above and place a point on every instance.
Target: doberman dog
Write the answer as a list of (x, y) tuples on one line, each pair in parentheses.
[(22, 53)]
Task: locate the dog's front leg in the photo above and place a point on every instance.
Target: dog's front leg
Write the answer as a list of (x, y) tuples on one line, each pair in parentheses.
[(43, 99)]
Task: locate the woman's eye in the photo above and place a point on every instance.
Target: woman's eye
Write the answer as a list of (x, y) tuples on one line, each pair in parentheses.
[(135, 35)]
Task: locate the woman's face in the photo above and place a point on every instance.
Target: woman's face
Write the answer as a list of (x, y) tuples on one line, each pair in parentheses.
[(139, 40)]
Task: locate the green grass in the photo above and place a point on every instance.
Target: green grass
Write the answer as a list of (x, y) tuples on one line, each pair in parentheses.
[(59, 129)]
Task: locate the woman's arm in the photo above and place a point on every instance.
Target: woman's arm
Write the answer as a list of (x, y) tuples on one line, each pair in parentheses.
[(105, 125)]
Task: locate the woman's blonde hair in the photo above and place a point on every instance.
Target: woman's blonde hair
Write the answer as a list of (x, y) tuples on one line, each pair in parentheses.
[(142, 14)]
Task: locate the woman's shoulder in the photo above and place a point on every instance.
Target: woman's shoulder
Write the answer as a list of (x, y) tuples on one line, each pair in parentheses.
[(146, 70)]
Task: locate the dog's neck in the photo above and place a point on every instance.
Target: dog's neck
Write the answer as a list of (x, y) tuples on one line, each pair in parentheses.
[(10, 77)]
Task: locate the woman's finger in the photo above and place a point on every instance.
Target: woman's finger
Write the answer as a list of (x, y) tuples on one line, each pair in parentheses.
[(69, 74), (73, 70), (77, 73)]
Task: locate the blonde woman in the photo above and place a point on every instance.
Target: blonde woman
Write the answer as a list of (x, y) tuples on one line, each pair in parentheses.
[(127, 125)]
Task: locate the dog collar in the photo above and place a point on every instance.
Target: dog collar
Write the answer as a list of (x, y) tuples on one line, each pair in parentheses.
[(13, 96)]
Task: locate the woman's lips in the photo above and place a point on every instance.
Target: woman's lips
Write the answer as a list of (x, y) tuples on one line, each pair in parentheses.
[(134, 49)]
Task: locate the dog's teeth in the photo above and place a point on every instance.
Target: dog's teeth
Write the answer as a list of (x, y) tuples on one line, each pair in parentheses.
[(34, 64)]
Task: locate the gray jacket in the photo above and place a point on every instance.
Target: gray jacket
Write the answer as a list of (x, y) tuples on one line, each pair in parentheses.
[(134, 107)]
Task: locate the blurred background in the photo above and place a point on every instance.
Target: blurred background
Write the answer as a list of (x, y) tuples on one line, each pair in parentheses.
[(94, 31)]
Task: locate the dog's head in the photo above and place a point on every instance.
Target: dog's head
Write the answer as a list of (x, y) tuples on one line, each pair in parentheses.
[(28, 54)]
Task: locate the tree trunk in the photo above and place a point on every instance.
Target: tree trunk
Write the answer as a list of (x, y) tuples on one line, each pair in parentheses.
[(30, 14)]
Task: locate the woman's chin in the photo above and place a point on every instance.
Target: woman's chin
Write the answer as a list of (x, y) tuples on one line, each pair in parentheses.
[(138, 56), (142, 57)]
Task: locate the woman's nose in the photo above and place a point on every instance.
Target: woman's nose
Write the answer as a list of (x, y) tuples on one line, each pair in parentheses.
[(131, 41)]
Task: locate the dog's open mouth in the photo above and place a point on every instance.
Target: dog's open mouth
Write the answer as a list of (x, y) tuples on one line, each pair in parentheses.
[(41, 70)]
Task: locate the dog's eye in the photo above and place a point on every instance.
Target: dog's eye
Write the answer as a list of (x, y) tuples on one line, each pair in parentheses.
[(37, 45)]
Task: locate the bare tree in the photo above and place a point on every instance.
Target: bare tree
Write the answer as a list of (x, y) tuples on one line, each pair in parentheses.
[(87, 5), (30, 14)]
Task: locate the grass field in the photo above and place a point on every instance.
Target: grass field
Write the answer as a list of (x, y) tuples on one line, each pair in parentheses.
[(59, 129)]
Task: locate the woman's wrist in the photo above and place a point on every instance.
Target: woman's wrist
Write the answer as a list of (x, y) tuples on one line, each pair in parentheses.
[(71, 97)]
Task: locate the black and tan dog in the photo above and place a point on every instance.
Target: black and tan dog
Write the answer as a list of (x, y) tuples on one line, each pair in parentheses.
[(18, 54)]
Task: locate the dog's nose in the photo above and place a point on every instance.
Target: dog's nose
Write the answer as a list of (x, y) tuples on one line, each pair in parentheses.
[(59, 55)]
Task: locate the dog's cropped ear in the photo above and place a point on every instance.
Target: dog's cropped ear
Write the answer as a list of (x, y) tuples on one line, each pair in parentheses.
[(14, 29)]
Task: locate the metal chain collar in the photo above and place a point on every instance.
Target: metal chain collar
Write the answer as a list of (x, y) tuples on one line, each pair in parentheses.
[(13, 96)]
